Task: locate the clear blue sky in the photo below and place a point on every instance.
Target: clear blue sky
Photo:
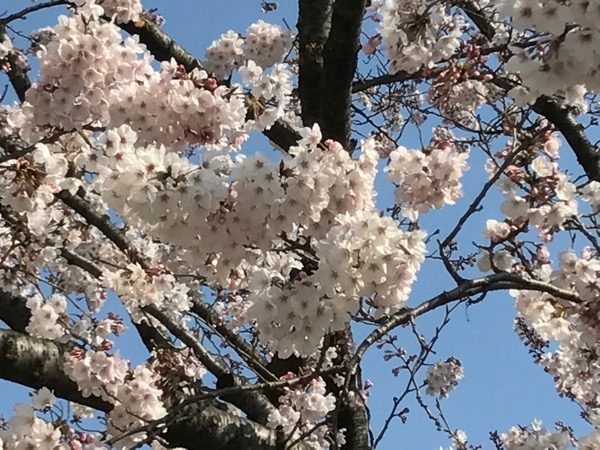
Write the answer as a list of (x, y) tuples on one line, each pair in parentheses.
[(502, 386)]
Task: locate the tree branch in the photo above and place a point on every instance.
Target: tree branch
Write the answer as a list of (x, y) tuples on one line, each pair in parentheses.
[(22, 14), (495, 282), (160, 44), (36, 362), (587, 154), (218, 430), (255, 405), (14, 311), (339, 65), (314, 23), (17, 74), (163, 47)]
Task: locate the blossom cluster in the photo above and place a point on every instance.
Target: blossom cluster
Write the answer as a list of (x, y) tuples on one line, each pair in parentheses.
[(228, 214), (26, 429), (428, 178), (221, 207), (6, 47), (591, 194), (536, 437), (460, 88), (11, 57), (39, 425), (567, 62), (549, 201), (443, 377), (301, 409), (122, 10), (30, 185), (138, 288), (270, 93), (362, 255), (264, 43), (574, 326), (96, 372), (138, 401), (89, 76), (417, 34), (48, 318)]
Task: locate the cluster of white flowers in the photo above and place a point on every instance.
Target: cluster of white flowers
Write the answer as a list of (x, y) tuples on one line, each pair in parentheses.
[(463, 99), (272, 91), (580, 273), (90, 76), (428, 178), (136, 288), (363, 255), (264, 43), (30, 184), (573, 326), (417, 33), (568, 61), (220, 207), (138, 401), (535, 438), (28, 429), (224, 54), (367, 255), (548, 203), (301, 409), (443, 377), (496, 230), (123, 10), (591, 194), (97, 332), (226, 214), (10, 121), (49, 318), (96, 373), (6, 47)]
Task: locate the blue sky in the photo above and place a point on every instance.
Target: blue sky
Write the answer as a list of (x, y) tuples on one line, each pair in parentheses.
[(502, 386)]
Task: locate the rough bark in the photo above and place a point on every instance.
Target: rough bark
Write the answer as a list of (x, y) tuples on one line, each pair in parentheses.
[(212, 428), (36, 362), (314, 23), (13, 311), (339, 65)]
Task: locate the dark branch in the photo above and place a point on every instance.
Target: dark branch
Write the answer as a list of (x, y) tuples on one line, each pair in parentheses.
[(160, 44), (314, 22), (215, 429), (36, 362), (17, 74), (339, 66), (22, 14), (587, 154), (469, 288), (14, 311)]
